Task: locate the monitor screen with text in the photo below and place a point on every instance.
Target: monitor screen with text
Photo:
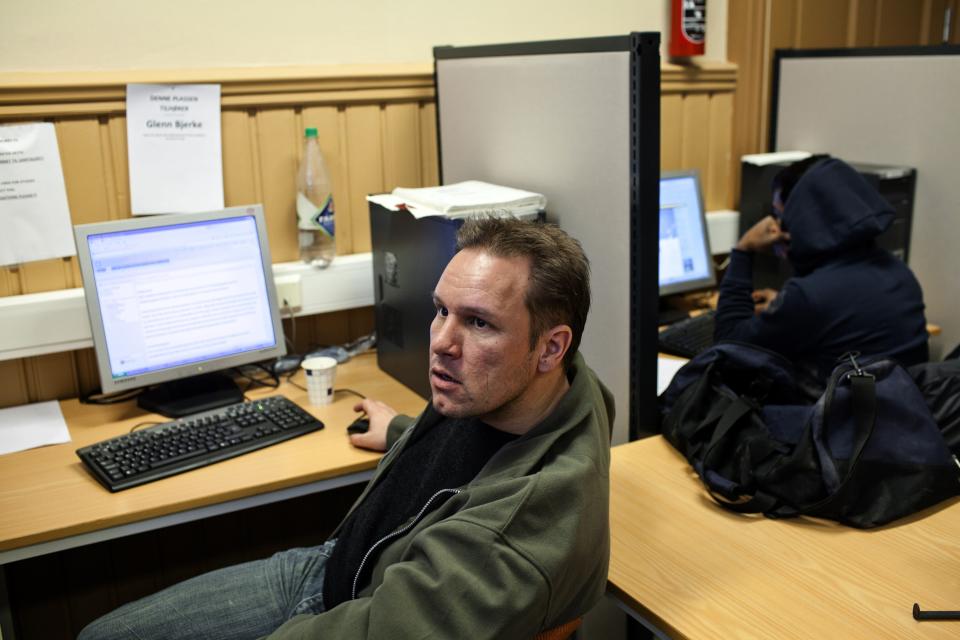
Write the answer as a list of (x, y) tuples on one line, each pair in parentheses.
[(192, 293)]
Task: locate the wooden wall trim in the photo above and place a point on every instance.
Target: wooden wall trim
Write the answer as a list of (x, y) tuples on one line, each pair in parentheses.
[(288, 99), (104, 93), (703, 77), (93, 86)]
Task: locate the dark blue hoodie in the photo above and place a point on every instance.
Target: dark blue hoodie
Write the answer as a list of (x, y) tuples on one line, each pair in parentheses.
[(847, 295)]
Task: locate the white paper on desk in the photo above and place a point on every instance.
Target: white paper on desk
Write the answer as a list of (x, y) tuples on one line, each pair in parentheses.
[(419, 212), (763, 159), (34, 214), (666, 369), (468, 198), (388, 201), (391, 202), (32, 425), (173, 148)]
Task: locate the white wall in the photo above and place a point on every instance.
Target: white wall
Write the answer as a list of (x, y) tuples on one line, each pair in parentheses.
[(67, 35)]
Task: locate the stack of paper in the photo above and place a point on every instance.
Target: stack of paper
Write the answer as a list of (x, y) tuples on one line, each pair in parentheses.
[(763, 159), (468, 198)]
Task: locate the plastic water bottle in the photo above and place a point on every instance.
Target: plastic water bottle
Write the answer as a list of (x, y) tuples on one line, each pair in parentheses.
[(314, 205)]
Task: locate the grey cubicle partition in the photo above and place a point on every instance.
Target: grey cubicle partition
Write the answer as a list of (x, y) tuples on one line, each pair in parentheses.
[(887, 105), (576, 120)]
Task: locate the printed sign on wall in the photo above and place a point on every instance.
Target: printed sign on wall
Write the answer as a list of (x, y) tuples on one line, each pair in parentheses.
[(173, 146)]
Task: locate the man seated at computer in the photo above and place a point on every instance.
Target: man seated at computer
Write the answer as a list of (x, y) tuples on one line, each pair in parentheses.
[(846, 295), (488, 518)]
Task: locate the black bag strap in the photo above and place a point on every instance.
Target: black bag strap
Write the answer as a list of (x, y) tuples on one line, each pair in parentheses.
[(759, 501), (863, 387), (714, 415), (734, 414), (694, 441)]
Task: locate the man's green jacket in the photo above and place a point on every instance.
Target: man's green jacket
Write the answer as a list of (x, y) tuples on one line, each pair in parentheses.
[(522, 548)]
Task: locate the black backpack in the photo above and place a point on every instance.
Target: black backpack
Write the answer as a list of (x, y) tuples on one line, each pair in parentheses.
[(939, 382), (864, 451)]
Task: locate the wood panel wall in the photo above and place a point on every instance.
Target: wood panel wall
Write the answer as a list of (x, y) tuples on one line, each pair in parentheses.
[(377, 130), (755, 28), (696, 113)]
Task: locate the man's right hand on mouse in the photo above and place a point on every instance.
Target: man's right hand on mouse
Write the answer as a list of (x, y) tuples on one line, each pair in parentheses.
[(379, 415)]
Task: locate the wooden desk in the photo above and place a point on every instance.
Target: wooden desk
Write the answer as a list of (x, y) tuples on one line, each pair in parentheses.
[(697, 303), (693, 570), (50, 502)]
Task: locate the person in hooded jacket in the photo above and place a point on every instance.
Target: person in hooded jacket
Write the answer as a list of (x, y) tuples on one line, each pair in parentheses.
[(846, 295)]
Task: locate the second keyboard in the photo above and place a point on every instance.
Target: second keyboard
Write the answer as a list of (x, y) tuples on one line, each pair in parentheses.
[(688, 337)]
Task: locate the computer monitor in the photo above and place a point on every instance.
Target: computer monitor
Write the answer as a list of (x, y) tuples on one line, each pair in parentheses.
[(174, 299), (685, 261)]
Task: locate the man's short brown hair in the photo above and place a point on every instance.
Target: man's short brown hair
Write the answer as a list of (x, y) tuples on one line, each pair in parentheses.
[(559, 290)]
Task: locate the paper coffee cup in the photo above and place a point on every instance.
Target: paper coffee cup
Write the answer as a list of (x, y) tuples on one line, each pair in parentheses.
[(320, 373)]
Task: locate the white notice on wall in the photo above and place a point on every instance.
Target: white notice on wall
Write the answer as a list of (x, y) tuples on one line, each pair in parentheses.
[(173, 147), (34, 215)]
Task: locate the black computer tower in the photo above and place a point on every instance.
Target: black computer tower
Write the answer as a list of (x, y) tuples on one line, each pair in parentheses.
[(895, 183), (409, 256)]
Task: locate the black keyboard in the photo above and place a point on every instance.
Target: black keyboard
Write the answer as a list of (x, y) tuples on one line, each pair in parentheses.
[(688, 337), (195, 441)]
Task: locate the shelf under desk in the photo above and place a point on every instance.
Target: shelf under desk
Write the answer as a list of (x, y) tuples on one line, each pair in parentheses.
[(685, 566), (51, 502)]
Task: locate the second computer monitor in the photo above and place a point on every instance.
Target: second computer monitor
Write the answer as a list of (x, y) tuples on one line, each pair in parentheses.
[(685, 261)]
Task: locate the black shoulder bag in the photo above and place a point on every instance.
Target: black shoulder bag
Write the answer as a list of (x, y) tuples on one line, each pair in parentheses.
[(865, 452)]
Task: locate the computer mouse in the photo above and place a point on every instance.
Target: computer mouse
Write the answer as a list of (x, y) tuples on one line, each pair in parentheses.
[(360, 425)]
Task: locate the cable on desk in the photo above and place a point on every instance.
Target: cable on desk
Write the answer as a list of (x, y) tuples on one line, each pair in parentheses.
[(272, 381), (110, 398), (335, 390), (290, 381), (150, 423)]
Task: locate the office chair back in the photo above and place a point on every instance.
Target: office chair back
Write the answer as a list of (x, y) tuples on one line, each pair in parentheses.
[(563, 632)]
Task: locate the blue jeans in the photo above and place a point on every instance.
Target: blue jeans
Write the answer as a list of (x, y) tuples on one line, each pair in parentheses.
[(248, 600)]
